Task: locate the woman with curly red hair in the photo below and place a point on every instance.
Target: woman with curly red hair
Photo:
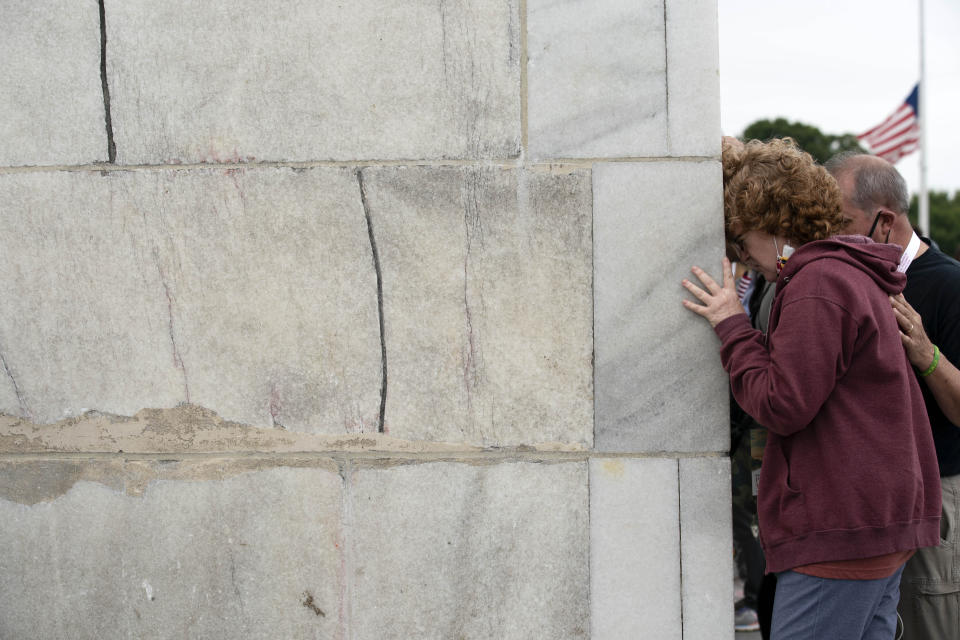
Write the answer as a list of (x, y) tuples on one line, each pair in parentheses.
[(849, 484)]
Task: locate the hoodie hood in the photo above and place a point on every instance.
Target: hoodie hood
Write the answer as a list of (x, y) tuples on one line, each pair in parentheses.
[(879, 261)]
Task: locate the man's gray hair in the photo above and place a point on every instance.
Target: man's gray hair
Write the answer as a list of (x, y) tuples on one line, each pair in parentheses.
[(875, 183)]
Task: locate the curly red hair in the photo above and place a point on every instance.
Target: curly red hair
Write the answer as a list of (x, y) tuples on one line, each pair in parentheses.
[(776, 188)]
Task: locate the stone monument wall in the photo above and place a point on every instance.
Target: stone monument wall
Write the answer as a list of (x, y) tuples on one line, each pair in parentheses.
[(360, 320)]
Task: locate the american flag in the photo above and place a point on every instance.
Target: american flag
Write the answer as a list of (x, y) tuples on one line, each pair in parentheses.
[(743, 286), (898, 135)]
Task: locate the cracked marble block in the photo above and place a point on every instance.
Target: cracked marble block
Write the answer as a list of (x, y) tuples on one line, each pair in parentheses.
[(597, 79), (205, 549), (454, 550), (659, 383), (229, 80), (635, 566), (51, 98), (252, 293), (487, 308)]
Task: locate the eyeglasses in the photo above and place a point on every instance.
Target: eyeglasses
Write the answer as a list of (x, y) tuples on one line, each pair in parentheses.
[(738, 245)]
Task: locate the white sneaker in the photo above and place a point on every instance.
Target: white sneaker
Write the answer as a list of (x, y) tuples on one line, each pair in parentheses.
[(745, 619)]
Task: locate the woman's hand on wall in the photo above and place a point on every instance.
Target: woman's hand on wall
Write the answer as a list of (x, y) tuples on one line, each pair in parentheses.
[(719, 302)]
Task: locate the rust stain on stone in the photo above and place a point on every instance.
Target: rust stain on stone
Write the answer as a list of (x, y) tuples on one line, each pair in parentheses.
[(188, 429), (32, 472), (46, 480), (614, 468), (30, 482)]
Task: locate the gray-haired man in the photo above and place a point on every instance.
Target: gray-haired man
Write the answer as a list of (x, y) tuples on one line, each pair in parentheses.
[(875, 199)]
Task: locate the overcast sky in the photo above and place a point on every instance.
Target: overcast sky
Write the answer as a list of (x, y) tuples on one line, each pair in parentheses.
[(844, 66)]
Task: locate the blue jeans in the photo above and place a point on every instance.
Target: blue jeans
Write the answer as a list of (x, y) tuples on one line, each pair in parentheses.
[(810, 608)]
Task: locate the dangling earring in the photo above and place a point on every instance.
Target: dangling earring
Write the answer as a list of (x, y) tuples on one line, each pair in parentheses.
[(782, 258)]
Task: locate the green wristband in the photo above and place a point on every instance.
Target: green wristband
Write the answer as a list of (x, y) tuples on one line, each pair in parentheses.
[(933, 365)]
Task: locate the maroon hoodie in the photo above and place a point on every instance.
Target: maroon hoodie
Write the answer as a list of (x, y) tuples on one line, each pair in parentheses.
[(849, 470)]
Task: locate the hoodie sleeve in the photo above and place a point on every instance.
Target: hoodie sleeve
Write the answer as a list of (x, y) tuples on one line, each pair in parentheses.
[(783, 384)]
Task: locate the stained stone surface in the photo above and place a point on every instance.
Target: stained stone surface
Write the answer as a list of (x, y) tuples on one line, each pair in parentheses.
[(706, 534), (215, 549), (487, 306), (51, 99), (597, 78), (252, 293), (229, 80), (635, 580), (193, 313), (659, 383), (188, 428), (451, 550)]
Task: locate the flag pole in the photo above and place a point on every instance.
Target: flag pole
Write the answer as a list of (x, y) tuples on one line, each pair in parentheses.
[(923, 201)]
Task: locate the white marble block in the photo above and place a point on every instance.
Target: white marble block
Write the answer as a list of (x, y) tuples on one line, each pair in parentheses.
[(250, 292), (450, 550), (51, 98), (486, 297), (254, 293), (202, 549), (659, 383), (635, 579), (693, 63), (619, 79), (247, 80), (706, 540), (597, 78)]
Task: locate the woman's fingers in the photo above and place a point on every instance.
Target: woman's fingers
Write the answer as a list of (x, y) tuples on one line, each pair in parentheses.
[(900, 304), (898, 307), (707, 281), (908, 319), (718, 303), (902, 319), (699, 293), (919, 349), (699, 309)]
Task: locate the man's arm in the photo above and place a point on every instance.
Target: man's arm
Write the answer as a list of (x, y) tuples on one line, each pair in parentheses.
[(944, 380)]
